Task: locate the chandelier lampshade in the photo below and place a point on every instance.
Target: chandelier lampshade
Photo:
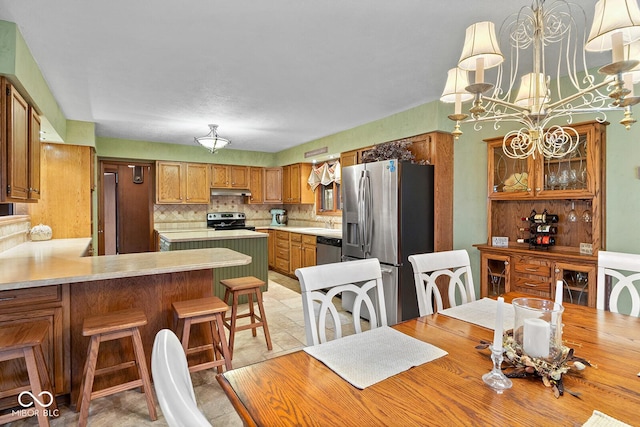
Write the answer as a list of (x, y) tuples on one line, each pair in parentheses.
[(532, 105)]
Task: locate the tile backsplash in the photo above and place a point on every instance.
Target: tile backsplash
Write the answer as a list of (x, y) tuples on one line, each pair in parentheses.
[(14, 230), (168, 217)]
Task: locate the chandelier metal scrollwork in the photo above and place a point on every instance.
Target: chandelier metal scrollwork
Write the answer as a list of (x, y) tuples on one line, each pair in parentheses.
[(529, 97)]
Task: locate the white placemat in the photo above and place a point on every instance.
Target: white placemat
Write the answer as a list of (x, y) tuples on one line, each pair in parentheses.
[(372, 356), (482, 313), (598, 419)]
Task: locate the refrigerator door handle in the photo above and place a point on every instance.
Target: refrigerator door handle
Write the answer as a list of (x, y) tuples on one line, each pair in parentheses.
[(368, 214), (361, 222)]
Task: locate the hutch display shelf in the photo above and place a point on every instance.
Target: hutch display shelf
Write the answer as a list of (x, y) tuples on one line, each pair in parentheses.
[(571, 187)]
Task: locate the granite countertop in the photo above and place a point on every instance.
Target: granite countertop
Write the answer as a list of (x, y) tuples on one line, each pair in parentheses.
[(208, 234), (59, 261), (315, 231)]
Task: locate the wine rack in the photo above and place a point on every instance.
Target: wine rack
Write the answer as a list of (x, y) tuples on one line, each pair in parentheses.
[(542, 232)]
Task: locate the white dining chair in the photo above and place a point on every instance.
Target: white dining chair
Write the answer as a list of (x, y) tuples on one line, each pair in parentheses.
[(172, 382), (427, 268), (320, 284), (618, 272)]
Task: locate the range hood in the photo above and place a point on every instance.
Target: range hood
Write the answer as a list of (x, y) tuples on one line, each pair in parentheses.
[(230, 192)]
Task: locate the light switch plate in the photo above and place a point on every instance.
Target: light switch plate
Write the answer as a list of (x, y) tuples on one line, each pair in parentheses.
[(500, 242), (586, 248)]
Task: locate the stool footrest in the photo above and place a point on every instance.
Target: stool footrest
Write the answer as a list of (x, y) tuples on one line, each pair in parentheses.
[(200, 348), (118, 388), (14, 391), (114, 368)]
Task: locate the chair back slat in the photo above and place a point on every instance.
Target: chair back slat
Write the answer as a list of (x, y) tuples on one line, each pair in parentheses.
[(321, 284), (427, 268), (622, 271)]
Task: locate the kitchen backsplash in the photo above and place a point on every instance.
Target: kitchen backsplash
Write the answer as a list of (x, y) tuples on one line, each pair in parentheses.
[(14, 230), (169, 217)]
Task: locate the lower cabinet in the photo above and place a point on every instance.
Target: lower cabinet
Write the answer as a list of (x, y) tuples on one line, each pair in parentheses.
[(37, 304), (308, 250), (538, 274), (282, 251), (293, 251)]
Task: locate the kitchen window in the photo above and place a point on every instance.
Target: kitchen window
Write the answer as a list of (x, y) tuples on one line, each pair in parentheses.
[(325, 182)]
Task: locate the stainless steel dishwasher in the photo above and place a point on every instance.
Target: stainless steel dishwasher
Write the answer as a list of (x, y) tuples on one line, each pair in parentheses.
[(328, 250)]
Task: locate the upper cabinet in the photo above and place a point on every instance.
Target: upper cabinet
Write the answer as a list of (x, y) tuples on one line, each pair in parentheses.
[(295, 189), (20, 148), (575, 176), (273, 185), (229, 176), (182, 183), (353, 157), (256, 185)]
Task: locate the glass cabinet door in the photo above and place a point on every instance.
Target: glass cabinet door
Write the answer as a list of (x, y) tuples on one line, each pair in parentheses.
[(494, 280), (578, 283), (509, 178)]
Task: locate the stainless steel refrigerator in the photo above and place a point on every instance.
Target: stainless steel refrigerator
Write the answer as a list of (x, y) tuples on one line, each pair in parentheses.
[(388, 214)]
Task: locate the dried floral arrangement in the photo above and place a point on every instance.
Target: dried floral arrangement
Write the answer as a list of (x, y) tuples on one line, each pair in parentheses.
[(390, 150), (551, 371)]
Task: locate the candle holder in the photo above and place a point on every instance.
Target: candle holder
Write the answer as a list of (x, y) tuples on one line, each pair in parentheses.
[(496, 379), (537, 328)]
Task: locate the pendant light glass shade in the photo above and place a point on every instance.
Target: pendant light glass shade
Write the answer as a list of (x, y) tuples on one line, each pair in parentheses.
[(212, 141)]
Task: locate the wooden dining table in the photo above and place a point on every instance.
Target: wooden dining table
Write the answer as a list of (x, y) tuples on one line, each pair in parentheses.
[(297, 389)]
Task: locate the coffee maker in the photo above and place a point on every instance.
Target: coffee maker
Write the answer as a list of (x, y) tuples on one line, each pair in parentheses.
[(279, 217)]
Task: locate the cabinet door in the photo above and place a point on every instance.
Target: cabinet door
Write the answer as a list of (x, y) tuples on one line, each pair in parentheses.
[(256, 185), (308, 251), (169, 182), (34, 155), (494, 275), (17, 145), (239, 176), (272, 249), (286, 184), (273, 185), (576, 174), (197, 183), (219, 176), (578, 283), (294, 176), (509, 178), (295, 252)]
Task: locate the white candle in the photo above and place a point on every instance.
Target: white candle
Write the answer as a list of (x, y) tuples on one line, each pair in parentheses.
[(536, 335), (497, 332)]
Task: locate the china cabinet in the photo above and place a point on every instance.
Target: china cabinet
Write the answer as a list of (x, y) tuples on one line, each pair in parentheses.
[(571, 187)]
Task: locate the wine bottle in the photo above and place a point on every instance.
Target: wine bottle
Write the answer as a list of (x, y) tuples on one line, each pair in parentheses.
[(544, 228), (540, 240), (542, 218)]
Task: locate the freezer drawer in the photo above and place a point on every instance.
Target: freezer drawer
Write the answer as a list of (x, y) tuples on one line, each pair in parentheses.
[(390, 289)]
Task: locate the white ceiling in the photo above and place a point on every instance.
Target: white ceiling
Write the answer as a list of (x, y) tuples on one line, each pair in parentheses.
[(272, 74)]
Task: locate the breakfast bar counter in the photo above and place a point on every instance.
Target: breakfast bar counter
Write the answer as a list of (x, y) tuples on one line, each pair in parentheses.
[(52, 281)]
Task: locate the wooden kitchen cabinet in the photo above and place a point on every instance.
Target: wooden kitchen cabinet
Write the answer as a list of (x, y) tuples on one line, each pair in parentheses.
[(256, 185), (182, 183), (273, 185), (49, 304), (308, 250), (295, 252), (19, 147), (295, 189), (516, 188), (353, 157), (229, 176), (282, 251), (272, 249)]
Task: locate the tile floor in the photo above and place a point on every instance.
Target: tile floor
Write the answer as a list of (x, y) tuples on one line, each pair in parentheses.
[(286, 325)]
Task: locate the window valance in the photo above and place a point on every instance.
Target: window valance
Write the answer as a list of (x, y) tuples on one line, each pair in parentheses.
[(324, 174)]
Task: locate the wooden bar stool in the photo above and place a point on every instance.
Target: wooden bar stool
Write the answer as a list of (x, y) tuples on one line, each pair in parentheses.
[(24, 340), (107, 327), (209, 310), (249, 286)]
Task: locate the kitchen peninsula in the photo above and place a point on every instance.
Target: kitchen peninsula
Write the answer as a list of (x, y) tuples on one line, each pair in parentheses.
[(52, 281)]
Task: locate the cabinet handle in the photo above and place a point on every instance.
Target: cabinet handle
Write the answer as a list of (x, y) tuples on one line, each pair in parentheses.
[(529, 189), (531, 269), (7, 298), (538, 188), (531, 285), (557, 270), (506, 263)]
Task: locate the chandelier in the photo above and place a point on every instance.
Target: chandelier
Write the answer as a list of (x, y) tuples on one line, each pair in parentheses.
[(212, 141), (528, 97)]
